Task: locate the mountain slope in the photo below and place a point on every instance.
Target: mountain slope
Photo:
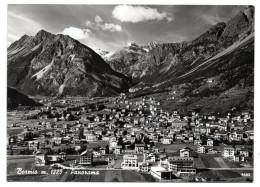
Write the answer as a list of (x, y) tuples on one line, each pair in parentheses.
[(169, 62), (49, 64), (125, 59), (16, 99), (213, 73)]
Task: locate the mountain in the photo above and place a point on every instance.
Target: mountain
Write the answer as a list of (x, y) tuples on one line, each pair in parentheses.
[(15, 99), (213, 72), (124, 59), (49, 64), (104, 54)]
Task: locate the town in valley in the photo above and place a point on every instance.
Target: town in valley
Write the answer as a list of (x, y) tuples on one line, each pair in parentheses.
[(128, 136)]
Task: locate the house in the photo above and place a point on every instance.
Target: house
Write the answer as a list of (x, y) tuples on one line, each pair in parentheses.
[(139, 148), (130, 162), (112, 144), (244, 152), (33, 145), (63, 156), (102, 150), (237, 158), (155, 149), (197, 142), (201, 149), (54, 158), (185, 152), (167, 140), (210, 142), (57, 140), (212, 151), (90, 137), (86, 158), (118, 149), (77, 144), (40, 159), (144, 167), (228, 152)]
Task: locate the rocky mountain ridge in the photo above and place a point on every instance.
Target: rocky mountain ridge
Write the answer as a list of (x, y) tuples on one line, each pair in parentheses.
[(57, 65), (165, 57)]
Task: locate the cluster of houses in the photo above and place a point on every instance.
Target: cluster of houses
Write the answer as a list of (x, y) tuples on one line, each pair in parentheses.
[(134, 130)]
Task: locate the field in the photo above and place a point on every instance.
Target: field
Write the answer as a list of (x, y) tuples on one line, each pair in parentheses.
[(112, 176), (14, 131), (225, 175), (209, 161), (221, 162)]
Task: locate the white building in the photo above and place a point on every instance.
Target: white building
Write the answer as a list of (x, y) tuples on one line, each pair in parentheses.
[(228, 152), (160, 173), (201, 149), (130, 162)]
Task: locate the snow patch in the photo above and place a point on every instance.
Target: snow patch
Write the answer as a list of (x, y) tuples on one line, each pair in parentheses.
[(42, 72), (61, 88)]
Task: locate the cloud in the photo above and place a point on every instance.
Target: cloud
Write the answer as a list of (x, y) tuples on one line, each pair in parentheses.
[(210, 19), (134, 14), (111, 27), (76, 33), (104, 26), (89, 24), (98, 19)]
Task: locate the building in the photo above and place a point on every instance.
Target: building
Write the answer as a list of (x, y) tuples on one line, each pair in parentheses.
[(201, 149), (139, 148), (144, 167), (130, 162), (57, 140), (244, 152), (118, 149), (179, 124), (167, 140), (40, 159), (210, 142), (185, 152), (86, 158), (181, 165), (160, 173), (228, 152), (54, 158), (32, 145)]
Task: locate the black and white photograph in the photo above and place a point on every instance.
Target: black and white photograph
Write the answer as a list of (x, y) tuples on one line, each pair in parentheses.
[(160, 93)]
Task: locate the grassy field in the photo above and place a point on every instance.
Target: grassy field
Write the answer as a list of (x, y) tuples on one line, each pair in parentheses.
[(214, 174), (14, 131), (221, 162), (112, 176), (209, 161)]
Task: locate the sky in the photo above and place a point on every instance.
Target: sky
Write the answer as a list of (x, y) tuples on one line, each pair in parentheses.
[(111, 27)]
